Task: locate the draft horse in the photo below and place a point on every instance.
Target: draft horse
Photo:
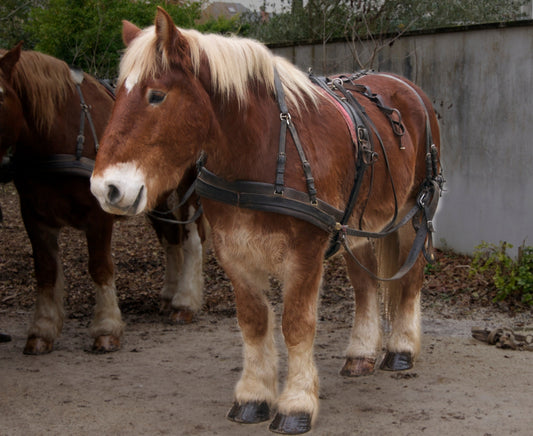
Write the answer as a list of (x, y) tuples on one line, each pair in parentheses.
[(50, 119), (275, 200)]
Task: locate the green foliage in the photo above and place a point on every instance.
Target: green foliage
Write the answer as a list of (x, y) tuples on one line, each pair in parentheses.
[(87, 33), (512, 278), (13, 15), (224, 25)]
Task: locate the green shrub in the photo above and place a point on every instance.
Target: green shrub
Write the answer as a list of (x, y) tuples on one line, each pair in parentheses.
[(513, 278)]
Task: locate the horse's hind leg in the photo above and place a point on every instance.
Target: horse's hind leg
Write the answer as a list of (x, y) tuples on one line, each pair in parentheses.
[(365, 339), (107, 326), (49, 312), (182, 292), (402, 301)]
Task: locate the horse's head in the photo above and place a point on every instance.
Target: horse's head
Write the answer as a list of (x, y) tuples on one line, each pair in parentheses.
[(160, 121), (11, 115)]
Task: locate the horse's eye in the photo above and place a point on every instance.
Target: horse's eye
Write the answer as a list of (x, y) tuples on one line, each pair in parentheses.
[(156, 97)]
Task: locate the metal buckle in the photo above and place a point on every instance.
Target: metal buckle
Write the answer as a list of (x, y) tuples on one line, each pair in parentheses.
[(285, 117), (369, 156)]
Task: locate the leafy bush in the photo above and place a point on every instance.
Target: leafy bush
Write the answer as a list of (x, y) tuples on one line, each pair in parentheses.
[(88, 33), (513, 278)]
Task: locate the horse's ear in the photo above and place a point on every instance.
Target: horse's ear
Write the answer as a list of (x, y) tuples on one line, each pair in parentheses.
[(129, 32), (9, 60), (166, 31)]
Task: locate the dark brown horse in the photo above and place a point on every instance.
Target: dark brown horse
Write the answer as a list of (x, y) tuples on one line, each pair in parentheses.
[(275, 200), (41, 119)]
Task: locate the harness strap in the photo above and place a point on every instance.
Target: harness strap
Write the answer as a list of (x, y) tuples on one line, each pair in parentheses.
[(65, 164), (157, 215), (422, 242), (85, 113), (285, 118), (365, 153), (261, 196), (161, 215)]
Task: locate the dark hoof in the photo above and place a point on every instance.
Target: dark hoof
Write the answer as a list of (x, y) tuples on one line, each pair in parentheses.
[(291, 424), (36, 346), (181, 315), (105, 344), (4, 337), (397, 361), (249, 413), (358, 366)]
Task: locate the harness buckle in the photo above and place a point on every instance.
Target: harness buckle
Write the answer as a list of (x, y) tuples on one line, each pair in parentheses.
[(285, 117), (369, 156), (362, 134)]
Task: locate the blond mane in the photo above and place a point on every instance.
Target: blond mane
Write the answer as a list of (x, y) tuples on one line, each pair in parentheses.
[(43, 84), (234, 64)]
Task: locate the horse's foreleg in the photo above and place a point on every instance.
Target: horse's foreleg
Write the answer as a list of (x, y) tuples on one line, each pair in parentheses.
[(182, 292), (365, 339), (256, 391), (107, 326), (298, 403), (49, 312), (402, 304)]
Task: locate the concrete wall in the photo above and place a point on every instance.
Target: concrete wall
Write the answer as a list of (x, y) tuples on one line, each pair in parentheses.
[(481, 83)]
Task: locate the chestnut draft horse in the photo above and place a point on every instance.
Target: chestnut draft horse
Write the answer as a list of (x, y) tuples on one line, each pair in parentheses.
[(50, 119), (274, 200)]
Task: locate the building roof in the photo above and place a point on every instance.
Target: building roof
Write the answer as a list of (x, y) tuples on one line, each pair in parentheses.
[(220, 9)]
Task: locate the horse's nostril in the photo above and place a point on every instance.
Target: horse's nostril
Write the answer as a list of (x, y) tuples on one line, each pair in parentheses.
[(113, 194)]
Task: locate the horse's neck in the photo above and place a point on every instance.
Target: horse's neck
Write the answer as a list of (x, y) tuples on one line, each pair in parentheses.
[(243, 137)]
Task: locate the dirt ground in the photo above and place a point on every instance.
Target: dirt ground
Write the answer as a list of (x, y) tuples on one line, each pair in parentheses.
[(179, 380)]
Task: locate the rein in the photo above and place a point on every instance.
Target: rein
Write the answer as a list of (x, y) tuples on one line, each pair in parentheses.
[(277, 198)]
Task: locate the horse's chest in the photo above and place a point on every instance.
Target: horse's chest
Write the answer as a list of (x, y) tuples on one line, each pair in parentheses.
[(252, 246)]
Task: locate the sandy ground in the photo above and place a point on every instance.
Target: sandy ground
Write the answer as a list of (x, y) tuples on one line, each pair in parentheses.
[(178, 380)]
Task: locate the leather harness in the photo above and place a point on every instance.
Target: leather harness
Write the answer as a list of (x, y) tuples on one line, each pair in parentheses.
[(306, 206), (65, 164)]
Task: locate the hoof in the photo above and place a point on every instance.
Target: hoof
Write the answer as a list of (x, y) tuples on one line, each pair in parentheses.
[(249, 413), (105, 344), (291, 424), (36, 346), (397, 361), (4, 337), (358, 366), (181, 315)]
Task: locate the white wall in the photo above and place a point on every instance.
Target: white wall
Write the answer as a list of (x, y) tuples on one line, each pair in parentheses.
[(481, 83)]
